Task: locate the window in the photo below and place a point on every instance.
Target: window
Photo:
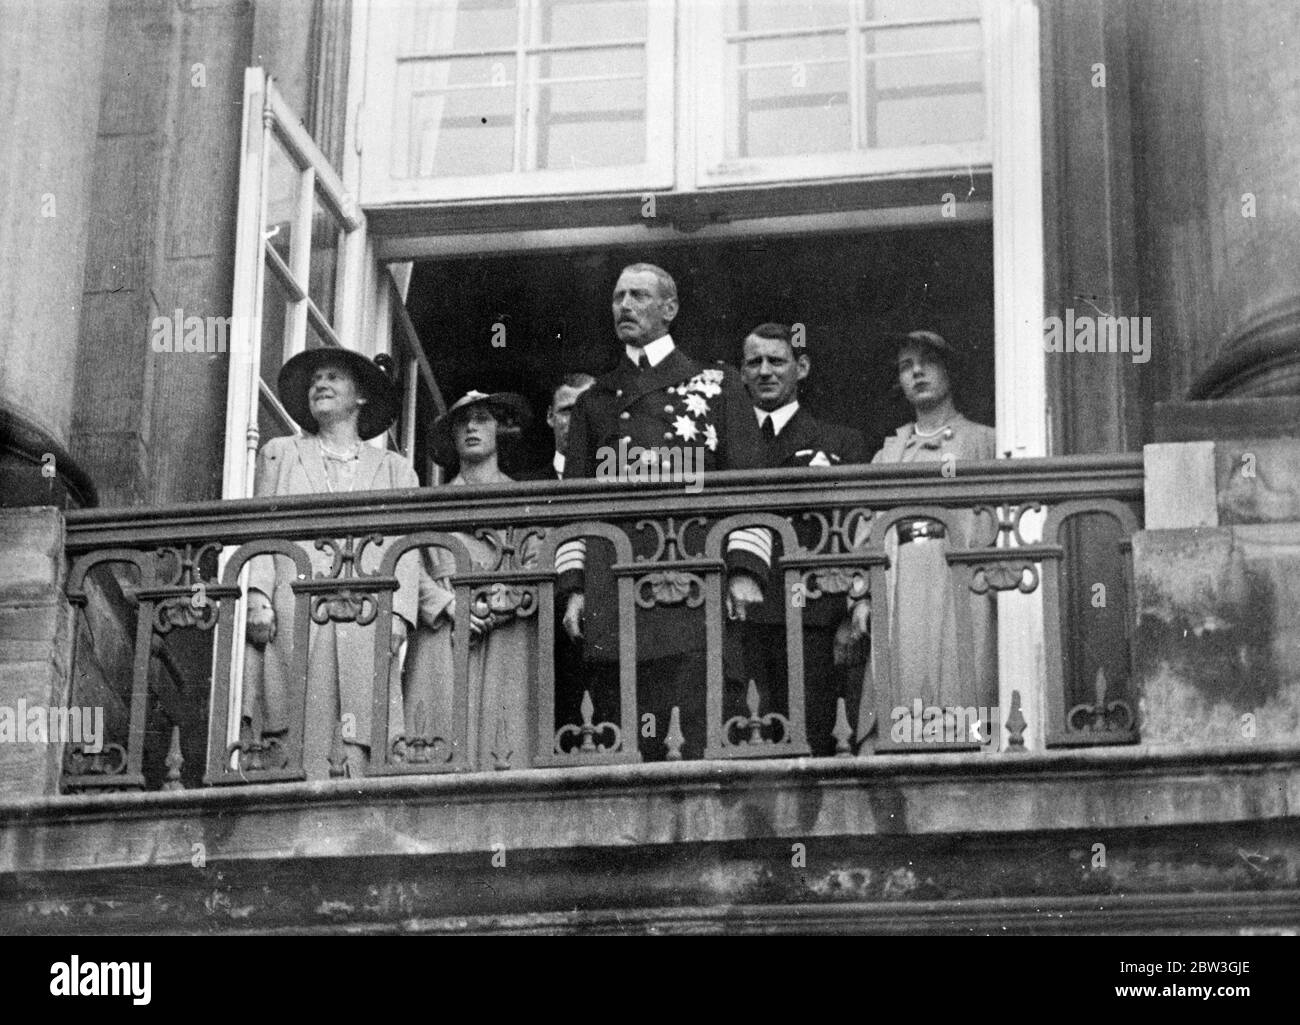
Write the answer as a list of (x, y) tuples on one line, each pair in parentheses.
[(469, 98), (301, 264), (791, 89), (295, 222)]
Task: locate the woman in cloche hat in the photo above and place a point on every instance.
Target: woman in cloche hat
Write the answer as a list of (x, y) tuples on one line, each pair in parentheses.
[(503, 649), (923, 628), (340, 399)]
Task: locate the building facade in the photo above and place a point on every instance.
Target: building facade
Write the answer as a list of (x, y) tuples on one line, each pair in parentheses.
[(1093, 198)]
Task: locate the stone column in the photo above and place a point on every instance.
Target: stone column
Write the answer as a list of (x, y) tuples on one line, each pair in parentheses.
[(1217, 143), (52, 56)]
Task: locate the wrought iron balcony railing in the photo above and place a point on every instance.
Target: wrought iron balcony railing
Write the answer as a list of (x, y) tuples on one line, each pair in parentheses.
[(161, 638)]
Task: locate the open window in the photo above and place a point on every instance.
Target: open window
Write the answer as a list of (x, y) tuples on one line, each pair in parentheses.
[(302, 271)]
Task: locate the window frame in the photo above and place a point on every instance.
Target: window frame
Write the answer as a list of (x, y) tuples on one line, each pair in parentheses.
[(269, 121), (715, 169), (1012, 34), (655, 172)]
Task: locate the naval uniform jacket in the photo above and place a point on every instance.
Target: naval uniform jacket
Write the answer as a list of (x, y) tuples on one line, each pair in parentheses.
[(678, 403), (807, 441)]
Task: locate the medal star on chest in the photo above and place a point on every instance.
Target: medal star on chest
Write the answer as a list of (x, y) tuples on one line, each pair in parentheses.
[(696, 405), (706, 384), (685, 428)]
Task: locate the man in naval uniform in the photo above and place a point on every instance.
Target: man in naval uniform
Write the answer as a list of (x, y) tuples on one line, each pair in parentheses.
[(658, 397), (771, 369)]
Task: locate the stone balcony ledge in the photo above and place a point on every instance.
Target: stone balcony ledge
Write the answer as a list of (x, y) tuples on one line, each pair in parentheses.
[(657, 804)]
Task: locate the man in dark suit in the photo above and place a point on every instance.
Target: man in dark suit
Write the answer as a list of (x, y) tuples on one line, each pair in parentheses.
[(771, 368), (570, 676), (558, 415), (657, 399)]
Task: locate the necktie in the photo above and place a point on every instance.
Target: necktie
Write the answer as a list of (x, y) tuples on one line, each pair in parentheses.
[(642, 363), (769, 430)]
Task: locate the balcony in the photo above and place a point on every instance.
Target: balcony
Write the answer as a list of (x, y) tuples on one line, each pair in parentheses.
[(1058, 814), (167, 572)]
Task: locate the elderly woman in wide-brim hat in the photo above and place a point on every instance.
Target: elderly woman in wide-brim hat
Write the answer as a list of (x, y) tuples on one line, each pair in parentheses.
[(503, 643), (923, 618), (341, 400)]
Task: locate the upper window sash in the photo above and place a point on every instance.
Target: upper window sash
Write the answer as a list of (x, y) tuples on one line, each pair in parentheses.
[(473, 99), (837, 88)]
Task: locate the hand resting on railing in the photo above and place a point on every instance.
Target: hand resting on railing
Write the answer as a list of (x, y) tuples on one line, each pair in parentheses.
[(261, 619), (743, 591), (851, 633), (262, 627)]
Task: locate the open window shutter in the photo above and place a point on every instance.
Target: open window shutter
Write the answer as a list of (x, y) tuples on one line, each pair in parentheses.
[(295, 226)]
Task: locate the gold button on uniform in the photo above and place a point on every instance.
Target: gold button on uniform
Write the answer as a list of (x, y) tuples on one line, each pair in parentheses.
[(668, 409), (618, 394), (668, 435), (625, 415)]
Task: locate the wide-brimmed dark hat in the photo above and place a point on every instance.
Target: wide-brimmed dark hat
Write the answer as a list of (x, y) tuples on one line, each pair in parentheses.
[(504, 404), (381, 406)]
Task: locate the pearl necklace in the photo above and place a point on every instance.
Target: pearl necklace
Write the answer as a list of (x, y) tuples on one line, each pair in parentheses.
[(930, 434), (324, 467), (341, 455)]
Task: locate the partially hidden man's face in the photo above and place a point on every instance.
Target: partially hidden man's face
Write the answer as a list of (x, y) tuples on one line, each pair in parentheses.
[(641, 312), (475, 433), (561, 413), (923, 376), (771, 372), (333, 394)]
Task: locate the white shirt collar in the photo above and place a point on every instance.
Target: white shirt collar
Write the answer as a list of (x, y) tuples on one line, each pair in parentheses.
[(780, 417), (655, 352), (558, 462)]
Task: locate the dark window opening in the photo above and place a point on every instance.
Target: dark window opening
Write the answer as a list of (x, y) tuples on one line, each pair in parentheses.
[(520, 322)]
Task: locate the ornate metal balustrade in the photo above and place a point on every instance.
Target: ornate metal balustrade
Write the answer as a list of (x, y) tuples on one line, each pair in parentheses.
[(183, 570)]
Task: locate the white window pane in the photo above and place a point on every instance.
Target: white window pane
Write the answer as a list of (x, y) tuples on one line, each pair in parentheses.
[(461, 117), (283, 179), (929, 67), (784, 15), (898, 10), (624, 62), (789, 96), (275, 313), (585, 21), (591, 123), (937, 75), (921, 122), (917, 96), (526, 95), (468, 26), (326, 235)]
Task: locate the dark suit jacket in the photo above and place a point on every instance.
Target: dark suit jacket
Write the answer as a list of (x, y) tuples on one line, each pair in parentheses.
[(804, 436), (800, 442), (647, 409)]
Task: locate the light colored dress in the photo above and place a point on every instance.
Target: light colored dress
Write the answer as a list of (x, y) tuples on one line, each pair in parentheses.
[(923, 611), (502, 664), (341, 666)]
